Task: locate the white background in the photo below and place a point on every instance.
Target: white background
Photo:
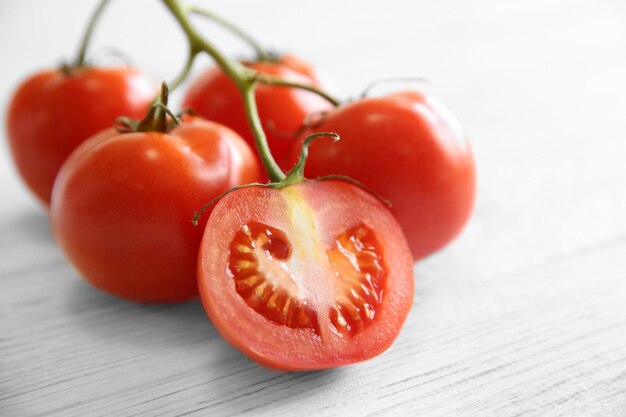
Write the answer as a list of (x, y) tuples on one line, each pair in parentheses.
[(525, 314)]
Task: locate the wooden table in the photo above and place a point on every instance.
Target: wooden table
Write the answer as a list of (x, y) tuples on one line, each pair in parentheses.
[(524, 315)]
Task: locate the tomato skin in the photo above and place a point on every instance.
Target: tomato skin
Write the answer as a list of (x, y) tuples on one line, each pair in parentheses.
[(281, 110), (412, 151), (335, 206), (51, 113), (122, 206)]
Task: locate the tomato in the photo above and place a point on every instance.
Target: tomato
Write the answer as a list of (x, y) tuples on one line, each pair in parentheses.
[(311, 276), (282, 110), (52, 112), (122, 205), (409, 148)]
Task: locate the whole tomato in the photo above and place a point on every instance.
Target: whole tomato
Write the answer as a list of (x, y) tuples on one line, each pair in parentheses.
[(314, 275), (409, 148), (122, 205), (54, 111), (282, 110)]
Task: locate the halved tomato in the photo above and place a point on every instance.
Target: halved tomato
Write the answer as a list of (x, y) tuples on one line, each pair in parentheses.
[(311, 276)]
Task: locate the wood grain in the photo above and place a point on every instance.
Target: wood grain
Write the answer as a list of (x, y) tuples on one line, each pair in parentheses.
[(524, 315)]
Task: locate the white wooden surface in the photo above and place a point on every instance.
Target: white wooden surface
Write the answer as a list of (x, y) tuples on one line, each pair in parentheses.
[(524, 315)]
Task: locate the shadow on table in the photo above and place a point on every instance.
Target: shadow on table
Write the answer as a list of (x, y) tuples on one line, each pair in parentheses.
[(122, 323), (30, 224), (234, 383)]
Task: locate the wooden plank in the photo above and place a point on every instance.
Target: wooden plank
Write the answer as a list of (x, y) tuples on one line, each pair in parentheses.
[(548, 338)]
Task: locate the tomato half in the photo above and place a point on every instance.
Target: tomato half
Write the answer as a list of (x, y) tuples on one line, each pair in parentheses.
[(122, 205), (312, 276), (282, 110), (409, 148), (53, 112)]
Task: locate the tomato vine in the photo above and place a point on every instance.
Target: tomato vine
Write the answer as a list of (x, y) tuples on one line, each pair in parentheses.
[(245, 79)]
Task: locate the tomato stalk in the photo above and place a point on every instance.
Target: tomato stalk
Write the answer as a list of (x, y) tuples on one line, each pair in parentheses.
[(271, 80), (245, 78), (186, 69), (295, 176), (262, 55), (156, 118), (81, 58)]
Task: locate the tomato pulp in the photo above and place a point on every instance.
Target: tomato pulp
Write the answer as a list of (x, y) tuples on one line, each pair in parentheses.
[(311, 276)]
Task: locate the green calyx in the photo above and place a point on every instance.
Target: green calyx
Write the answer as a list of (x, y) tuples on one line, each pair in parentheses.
[(158, 119), (295, 176)]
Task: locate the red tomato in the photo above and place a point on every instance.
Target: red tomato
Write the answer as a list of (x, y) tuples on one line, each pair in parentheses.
[(282, 110), (122, 205), (53, 112), (409, 148), (312, 276)]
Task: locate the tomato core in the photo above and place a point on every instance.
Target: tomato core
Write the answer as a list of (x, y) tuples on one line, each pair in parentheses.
[(259, 264)]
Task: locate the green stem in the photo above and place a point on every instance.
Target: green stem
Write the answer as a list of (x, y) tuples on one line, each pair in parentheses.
[(233, 69), (80, 60), (271, 80), (243, 77), (274, 172), (156, 119), (262, 55), (296, 174), (185, 72)]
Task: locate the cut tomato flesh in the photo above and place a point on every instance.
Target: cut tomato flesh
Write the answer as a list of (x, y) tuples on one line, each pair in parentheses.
[(307, 277), (258, 263), (357, 267)]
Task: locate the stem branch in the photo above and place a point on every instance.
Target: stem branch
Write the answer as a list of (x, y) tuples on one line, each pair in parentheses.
[(271, 80), (185, 72), (273, 170), (80, 59), (243, 77), (260, 52)]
